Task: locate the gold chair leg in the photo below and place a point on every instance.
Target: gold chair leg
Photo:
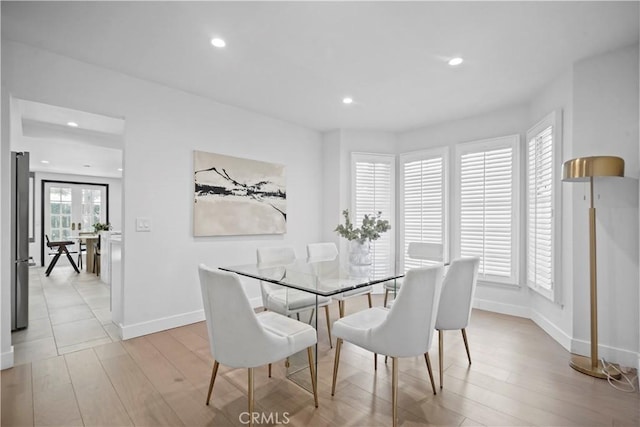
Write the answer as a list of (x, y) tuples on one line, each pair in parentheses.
[(440, 353), (386, 296), (269, 370), (466, 344), (213, 379), (312, 369), (326, 314), (250, 391), (394, 391), (370, 301), (336, 362), (313, 311), (341, 305), (426, 359), (375, 361), (298, 316)]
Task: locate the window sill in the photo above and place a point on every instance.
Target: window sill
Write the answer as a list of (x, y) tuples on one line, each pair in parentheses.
[(503, 285)]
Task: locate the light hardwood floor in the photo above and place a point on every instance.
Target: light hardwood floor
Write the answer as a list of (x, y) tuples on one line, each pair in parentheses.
[(519, 376)]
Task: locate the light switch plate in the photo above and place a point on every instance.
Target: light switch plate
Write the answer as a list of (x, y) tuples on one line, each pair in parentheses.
[(143, 224)]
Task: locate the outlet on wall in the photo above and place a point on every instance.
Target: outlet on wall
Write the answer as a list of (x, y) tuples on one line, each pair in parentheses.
[(143, 224)]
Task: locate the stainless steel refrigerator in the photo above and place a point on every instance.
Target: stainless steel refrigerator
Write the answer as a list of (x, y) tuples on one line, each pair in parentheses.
[(19, 240)]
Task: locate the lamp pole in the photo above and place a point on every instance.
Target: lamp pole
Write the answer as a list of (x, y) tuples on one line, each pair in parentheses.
[(584, 169)]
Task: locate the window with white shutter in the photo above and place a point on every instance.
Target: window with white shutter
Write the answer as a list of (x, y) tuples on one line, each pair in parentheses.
[(373, 184), (487, 206), (423, 205), (541, 228)]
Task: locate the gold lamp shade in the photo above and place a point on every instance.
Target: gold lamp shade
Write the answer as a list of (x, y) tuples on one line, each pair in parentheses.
[(584, 168)]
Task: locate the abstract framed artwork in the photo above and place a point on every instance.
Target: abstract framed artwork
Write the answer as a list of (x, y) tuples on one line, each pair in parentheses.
[(236, 196)]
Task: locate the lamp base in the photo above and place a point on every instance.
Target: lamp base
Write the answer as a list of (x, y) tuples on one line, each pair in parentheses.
[(583, 364)]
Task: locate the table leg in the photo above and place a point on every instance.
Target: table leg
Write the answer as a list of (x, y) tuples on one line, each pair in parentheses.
[(298, 369), (89, 258)]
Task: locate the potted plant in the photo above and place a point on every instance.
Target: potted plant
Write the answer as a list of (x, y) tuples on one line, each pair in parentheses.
[(360, 238), (98, 227)]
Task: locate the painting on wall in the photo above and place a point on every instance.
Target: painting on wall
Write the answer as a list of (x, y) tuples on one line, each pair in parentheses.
[(235, 196)]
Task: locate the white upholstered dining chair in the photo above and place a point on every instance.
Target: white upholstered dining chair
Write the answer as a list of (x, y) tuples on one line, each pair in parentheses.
[(239, 338), (423, 251), (454, 311), (283, 300), (405, 330), (329, 251)]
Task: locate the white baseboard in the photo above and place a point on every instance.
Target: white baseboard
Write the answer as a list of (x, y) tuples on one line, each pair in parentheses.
[(621, 356), (6, 359), (162, 324), (556, 333), (502, 308)]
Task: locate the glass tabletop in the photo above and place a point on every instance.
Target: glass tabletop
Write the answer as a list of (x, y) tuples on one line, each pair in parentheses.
[(323, 277)]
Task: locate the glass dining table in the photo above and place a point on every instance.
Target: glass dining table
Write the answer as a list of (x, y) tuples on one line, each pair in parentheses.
[(319, 277)]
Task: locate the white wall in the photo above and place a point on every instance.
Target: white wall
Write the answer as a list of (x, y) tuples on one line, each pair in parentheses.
[(115, 204), (163, 127), (6, 349), (605, 99), (335, 191), (508, 121)]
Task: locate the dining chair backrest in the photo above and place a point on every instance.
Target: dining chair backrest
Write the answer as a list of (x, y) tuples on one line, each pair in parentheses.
[(425, 251), (273, 256), (408, 328), (48, 241), (236, 338), (322, 251), (278, 255), (458, 289)]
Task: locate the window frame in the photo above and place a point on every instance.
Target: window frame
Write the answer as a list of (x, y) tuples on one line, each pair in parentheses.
[(512, 141), (413, 156), (390, 159), (553, 119)]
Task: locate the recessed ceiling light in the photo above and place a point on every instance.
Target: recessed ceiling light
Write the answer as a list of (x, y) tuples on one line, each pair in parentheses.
[(119, 169), (46, 162), (217, 42), (455, 61), (347, 100), (72, 124), (86, 166)]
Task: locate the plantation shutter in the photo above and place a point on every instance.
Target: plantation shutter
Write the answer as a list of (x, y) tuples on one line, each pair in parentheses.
[(540, 209), (423, 204), (487, 226), (374, 193)]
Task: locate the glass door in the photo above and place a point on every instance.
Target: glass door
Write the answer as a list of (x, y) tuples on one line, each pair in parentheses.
[(59, 210), (72, 208)]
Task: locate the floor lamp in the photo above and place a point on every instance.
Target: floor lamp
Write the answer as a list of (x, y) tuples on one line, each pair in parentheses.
[(585, 169)]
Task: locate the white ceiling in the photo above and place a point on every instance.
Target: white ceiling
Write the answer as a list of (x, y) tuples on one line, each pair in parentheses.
[(297, 60), (94, 148)]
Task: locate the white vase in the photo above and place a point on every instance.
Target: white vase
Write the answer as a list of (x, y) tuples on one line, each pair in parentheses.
[(359, 258)]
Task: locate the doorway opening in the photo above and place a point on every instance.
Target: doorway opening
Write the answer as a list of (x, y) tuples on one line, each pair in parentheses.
[(76, 183)]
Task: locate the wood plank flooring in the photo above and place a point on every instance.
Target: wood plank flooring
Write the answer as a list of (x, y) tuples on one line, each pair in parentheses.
[(519, 377)]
